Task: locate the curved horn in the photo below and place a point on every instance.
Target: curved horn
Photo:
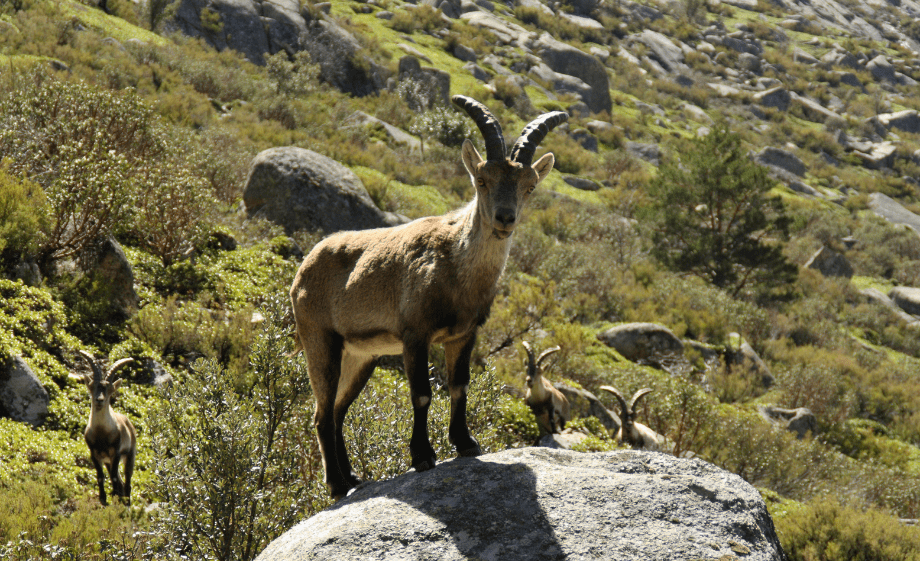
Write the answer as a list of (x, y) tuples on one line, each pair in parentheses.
[(547, 353), (533, 134), (487, 123), (97, 372), (619, 397), (115, 367), (531, 363), (637, 396)]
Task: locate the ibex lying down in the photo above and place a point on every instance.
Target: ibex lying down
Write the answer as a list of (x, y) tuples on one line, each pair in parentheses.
[(109, 435), (361, 295), (548, 404), (634, 434)]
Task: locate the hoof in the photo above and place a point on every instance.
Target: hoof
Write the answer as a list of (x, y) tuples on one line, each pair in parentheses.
[(425, 465), (470, 452)]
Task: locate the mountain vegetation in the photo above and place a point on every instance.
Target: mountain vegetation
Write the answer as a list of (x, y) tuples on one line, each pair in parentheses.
[(735, 141)]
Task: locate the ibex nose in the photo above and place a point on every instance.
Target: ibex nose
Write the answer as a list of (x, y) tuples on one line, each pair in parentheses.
[(505, 216)]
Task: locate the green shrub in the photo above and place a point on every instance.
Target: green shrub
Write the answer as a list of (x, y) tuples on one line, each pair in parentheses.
[(23, 216), (826, 530), (84, 145), (182, 332), (418, 18), (234, 464)]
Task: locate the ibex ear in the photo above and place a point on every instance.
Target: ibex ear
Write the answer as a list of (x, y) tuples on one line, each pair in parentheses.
[(471, 157), (83, 378), (544, 165), (116, 384)]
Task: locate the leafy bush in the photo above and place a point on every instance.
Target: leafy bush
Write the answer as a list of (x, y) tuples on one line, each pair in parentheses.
[(418, 18), (826, 530), (83, 145), (23, 216), (232, 462)]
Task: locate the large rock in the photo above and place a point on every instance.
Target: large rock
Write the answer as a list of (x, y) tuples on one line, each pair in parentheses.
[(22, 396), (777, 97), (908, 299), (907, 121), (257, 28), (879, 297), (801, 421), (104, 261), (662, 50), (830, 263), (747, 358), (565, 59), (434, 82), (538, 504), (237, 25), (881, 69), (782, 159), (647, 343), (892, 211), (300, 189)]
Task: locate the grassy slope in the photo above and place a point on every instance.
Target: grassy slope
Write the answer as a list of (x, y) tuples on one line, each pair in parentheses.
[(65, 468)]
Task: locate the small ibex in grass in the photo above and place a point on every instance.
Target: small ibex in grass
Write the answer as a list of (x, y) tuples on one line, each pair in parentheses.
[(636, 435), (109, 435), (548, 404), (362, 295)]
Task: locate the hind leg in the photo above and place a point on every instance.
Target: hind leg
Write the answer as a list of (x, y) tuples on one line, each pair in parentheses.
[(324, 357), (129, 470), (356, 371)]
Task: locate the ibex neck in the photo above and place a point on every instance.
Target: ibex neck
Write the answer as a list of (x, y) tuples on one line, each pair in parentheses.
[(538, 390), (483, 253), (103, 418)]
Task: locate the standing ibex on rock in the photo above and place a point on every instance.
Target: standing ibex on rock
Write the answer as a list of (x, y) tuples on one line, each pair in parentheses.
[(550, 407), (109, 435), (634, 434), (365, 294)]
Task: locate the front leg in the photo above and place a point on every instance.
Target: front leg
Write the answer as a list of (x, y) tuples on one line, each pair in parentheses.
[(100, 479), (457, 354), (415, 357)]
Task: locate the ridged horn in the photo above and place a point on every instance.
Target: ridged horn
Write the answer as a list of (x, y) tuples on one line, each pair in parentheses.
[(533, 134), (545, 354), (619, 397), (531, 362), (115, 367), (98, 375), (487, 123), (637, 396)]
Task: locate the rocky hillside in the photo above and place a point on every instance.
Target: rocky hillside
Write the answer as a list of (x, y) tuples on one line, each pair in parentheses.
[(733, 221)]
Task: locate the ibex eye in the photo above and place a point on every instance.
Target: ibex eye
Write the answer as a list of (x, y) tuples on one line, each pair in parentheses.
[(481, 182)]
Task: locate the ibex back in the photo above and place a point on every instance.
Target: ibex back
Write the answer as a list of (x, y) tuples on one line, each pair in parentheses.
[(362, 295)]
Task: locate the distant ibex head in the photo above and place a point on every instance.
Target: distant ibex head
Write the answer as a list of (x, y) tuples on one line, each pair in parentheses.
[(629, 410), (503, 184), (102, 385), (535, 366)]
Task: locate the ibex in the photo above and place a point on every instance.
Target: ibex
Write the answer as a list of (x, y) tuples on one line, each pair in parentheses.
[(365, 294), (635, 435), (548, 404), (109, 435)]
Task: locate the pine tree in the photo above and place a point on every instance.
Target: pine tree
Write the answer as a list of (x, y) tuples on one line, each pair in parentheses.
[(712, 216)]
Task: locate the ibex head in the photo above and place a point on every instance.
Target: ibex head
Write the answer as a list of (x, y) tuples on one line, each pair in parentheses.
[(102, 387), (503, 184), (535, 366), (629, 410)]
